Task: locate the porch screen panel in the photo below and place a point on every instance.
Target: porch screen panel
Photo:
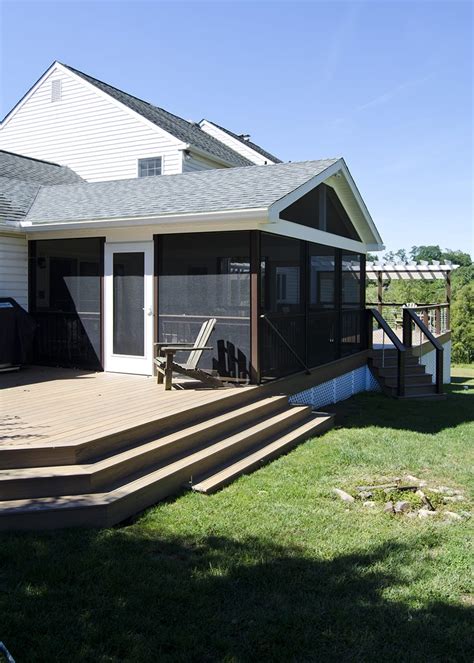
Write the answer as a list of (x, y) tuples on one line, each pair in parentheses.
[(351, 303), (128, 303), (65, 285), (282, 292), (201, 276), (322, 313)]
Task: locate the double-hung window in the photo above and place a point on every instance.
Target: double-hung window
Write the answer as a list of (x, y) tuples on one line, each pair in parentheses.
[(149, 167)]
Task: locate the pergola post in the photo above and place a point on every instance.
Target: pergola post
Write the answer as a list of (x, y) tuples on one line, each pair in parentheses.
[(380, 291), (448, 300)]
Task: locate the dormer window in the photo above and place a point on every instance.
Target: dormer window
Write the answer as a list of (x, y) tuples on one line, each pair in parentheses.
[(149, 167)]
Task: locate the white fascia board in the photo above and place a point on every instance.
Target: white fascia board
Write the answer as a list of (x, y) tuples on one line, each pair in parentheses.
[(338, 166), (284, 202), (362, 205), (28, 94), (203, 123), (298, 231), (179, 143), (258, 215)]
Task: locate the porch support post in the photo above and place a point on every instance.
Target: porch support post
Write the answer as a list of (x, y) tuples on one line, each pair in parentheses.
[(102, 301), (363, 317), (31, 276), (156, 292), (448, 300), (255, 374), (338, 301)]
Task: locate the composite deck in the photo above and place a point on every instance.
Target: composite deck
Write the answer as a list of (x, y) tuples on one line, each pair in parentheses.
[(52, 406), (92, 449)]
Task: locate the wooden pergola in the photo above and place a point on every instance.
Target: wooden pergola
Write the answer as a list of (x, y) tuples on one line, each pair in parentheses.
[(422, 271)]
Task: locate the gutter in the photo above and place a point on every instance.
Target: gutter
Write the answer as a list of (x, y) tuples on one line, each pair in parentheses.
[(256, 214)]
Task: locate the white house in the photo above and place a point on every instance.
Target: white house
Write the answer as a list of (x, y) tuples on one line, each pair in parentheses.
[(103, 133)]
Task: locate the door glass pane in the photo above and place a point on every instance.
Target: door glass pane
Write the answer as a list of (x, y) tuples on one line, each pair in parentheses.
[(129, 291)]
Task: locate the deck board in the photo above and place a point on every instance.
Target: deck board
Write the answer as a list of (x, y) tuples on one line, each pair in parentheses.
[(42, 405)]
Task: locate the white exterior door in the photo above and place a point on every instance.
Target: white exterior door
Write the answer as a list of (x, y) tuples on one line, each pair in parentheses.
[(128, 269)]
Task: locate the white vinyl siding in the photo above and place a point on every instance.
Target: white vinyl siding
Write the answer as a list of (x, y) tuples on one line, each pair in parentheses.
[(192, 163), (14, 268), (86, 131), (236, 145)]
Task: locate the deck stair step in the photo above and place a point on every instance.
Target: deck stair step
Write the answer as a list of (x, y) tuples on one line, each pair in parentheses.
[(418, 382), (114, 437), (316, 424), (116, 486), (106, 472)]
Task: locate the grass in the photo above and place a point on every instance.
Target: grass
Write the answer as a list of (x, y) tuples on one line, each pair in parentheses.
[(273, 568)]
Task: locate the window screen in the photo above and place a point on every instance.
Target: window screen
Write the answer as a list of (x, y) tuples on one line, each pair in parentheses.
[(202, 276), (65, 276)]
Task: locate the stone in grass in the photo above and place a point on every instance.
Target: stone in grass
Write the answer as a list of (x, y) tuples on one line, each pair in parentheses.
[(345, 497), (419, 482), (388, 508), (365, 494), (452, 498), (445, 490), (402, 506), (369, 505), (450, 515), (426, 513)]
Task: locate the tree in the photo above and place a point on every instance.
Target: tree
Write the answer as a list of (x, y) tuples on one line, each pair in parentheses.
[(396, 256), (457, 257), (462, 324), (428, 253)]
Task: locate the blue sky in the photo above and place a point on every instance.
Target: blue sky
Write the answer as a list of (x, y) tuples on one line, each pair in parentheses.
[(387, 85)]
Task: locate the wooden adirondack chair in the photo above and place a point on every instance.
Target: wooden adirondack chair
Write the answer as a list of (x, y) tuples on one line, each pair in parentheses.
[(166, 364)]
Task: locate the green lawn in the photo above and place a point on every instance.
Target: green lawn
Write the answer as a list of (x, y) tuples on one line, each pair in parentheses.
[(273, 568)]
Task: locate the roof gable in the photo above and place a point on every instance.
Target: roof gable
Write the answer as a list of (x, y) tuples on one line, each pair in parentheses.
[(189, 133)]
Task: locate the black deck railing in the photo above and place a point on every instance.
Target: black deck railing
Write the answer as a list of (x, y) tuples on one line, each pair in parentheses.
[(373, 314), (410, 319), (286, 344)]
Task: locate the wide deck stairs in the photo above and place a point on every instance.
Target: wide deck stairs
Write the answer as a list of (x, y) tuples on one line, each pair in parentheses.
[(108, 478)]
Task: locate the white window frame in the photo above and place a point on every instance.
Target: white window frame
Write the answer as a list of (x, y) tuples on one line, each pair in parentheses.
[(160, 157)]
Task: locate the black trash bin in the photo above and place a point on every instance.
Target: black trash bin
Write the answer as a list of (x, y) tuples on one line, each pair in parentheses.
[(17, 330)]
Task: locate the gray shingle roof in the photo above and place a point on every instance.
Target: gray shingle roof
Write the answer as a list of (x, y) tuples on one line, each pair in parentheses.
[(16, 197), (205, 191), (188, 132), (19, 167), (22, 177), (249, 143)]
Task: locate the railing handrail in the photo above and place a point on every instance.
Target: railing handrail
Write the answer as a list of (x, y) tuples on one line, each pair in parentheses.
[(431, 338), (285, 342), (417, 306), (371, 314), (387, 329), (409, 316)]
